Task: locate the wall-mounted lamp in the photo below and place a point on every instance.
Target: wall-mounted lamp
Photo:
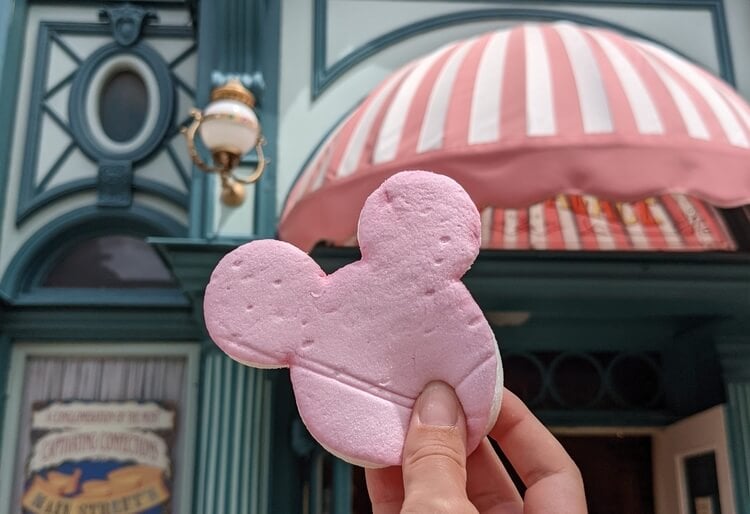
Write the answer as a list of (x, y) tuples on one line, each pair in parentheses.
[(229, 129)]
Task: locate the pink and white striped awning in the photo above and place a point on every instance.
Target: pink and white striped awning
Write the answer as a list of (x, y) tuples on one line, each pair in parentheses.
[(519, 116)]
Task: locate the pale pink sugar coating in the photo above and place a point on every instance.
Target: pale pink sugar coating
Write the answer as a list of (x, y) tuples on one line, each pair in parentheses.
[(364, 341)]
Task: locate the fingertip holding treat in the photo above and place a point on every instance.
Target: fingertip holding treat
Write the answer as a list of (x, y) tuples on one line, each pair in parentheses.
[(363, 342)]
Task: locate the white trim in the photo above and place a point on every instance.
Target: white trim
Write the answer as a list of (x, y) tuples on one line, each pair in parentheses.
[(19, 354), (94, 93)]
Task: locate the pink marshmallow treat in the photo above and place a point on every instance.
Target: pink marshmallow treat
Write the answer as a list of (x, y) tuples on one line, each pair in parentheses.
[(362, 343)]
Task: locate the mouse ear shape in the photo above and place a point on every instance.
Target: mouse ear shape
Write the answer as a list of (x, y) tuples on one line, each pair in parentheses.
[(419, 218), (252, 302)]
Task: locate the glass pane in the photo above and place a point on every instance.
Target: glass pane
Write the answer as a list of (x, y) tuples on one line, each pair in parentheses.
[(123, 105), (110, 262), (702, 484)]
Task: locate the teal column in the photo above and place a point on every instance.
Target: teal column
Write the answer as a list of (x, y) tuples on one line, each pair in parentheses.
[(735, 360), (233, 444), (5, 349), (240, 39)]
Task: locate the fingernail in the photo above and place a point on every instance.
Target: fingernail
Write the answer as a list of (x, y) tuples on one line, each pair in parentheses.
[(438, 405)]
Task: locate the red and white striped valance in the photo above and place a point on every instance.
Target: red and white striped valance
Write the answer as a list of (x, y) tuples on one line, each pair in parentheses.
[(570, 222), (521, 115)]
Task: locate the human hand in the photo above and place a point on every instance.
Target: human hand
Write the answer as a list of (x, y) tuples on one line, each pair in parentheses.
[(438, 477)]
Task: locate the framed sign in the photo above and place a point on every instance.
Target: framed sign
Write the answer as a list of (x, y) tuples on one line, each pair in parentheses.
[(100, 457)]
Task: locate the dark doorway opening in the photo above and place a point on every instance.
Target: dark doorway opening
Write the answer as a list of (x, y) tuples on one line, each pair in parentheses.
[(617, 472)]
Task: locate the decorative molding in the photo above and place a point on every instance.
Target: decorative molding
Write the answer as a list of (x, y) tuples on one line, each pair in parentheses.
[(115, 184), (80, 127), (34, 259), (101, 322), (127, 22), (633, 285), (734, 353), (13, 41), (33, 197), (323, 75)]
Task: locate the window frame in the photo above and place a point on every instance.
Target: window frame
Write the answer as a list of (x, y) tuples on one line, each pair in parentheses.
[(20, 352)]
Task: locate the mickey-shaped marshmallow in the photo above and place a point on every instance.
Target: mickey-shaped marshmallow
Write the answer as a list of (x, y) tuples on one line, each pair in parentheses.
[(363, 342)]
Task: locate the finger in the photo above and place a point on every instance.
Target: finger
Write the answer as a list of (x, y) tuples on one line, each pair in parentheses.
[(489, 485), (552, 479), (434, 460), (386, 489)]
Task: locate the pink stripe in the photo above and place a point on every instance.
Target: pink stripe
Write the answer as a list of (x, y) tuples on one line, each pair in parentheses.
[(616, 226), (567, 106), (341, 142), (415, 117), (586, 234), (706, 113), (736, 103), (456, 132), (681, 222), (522, 230), (619, 106), (512, 107), (555, 239), (650, 226), (300, 186), (496, 237), (369, 147), (668, 113), (719, 238)]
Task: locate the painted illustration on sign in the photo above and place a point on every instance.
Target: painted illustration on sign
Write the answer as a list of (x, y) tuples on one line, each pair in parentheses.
[(100, 458)]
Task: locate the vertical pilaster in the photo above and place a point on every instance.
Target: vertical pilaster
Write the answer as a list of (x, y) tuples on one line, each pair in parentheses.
[(233, 445), (735, 360), (239, 39)]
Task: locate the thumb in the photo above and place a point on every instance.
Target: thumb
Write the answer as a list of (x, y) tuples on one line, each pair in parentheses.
[(434, 461)]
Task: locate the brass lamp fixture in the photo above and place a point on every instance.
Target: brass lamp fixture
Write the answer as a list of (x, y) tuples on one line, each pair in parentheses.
[(229, 129)]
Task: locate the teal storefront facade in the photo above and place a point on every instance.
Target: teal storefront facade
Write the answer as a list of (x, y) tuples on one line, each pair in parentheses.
[(108, 236)]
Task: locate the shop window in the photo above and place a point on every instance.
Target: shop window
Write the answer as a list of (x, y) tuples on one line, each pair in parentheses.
[(112, 261), (97, 428), (123, 105)]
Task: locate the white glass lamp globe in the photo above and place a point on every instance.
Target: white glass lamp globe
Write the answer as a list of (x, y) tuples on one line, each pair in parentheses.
[(229, 126)]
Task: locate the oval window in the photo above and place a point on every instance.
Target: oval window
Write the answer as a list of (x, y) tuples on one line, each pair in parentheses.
[(123, 105)]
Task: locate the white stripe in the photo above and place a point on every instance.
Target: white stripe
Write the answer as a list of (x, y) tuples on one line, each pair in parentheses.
[(740, 107), (592, 95), (487, 216), (641, 104), (510, 228), (484, 119), (692, 75), (567, 224), (540, 108), (599, 223), (689, 112), (633, 226), (433, 125), (668, 230), (389, 137), (353, 153), (325, 160), (694, 218), (537, 228)]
